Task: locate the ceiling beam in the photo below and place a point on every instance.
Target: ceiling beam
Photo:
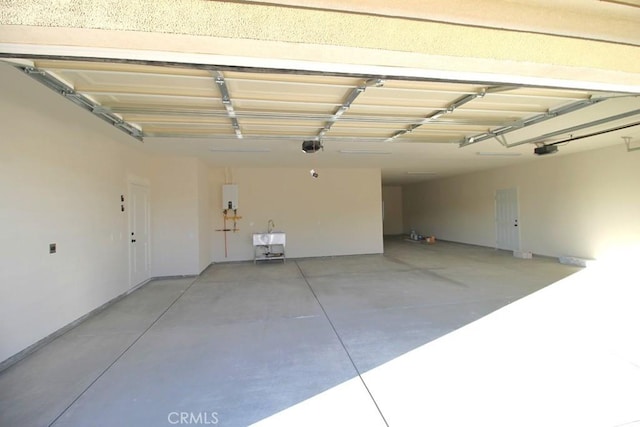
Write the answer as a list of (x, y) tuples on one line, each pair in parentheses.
[(346, 104), (465, 99), (542, 138), (226, 101), (68, 92), (275, 116), (519, 124)]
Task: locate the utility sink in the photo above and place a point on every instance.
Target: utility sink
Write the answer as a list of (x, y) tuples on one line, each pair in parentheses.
[(268, 239), (269, 246)]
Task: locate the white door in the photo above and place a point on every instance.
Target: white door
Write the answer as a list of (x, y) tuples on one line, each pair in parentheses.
[(507, 227), (139, 252)]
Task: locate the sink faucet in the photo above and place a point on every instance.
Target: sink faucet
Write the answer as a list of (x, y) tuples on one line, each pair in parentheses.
[(270, 226)]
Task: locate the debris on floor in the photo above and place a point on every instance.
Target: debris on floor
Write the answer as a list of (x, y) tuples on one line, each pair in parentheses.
[(419, 238)]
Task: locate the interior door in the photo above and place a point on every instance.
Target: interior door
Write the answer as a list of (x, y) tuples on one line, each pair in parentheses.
[(507, 227), (139, 252)]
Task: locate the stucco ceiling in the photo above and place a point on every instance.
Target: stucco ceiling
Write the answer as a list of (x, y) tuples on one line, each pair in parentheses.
[(420, 90), (591, 19)]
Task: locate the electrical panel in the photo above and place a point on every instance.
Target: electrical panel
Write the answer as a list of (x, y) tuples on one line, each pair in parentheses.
[(230, 196)]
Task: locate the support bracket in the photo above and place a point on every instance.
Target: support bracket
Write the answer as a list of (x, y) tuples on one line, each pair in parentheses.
[(513, 126), (226, 101), (68, 92), (346, 104), (449, 109), (627, 142)]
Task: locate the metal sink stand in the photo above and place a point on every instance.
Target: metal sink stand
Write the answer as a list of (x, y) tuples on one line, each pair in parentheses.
[(269, 246)]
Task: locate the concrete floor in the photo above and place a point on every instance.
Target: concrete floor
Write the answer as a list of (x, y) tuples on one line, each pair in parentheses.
[(242, 342)]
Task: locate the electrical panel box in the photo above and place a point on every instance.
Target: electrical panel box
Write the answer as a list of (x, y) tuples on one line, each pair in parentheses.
[(230, 196)]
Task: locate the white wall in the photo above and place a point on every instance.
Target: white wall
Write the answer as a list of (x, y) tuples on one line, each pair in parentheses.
[(174, 222), (392, 198), (583, 204), (62, 172), (339, 213), (181, 216)]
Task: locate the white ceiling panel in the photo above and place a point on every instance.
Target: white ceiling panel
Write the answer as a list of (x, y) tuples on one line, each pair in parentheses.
[(416, 122)]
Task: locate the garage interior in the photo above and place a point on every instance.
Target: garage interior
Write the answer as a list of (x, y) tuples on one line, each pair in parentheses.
[(145, 148)]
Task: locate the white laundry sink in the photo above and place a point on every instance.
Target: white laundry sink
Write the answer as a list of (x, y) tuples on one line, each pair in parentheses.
[(268, 239)]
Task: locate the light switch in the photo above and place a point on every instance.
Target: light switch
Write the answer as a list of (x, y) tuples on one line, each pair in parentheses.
[(52, 248)]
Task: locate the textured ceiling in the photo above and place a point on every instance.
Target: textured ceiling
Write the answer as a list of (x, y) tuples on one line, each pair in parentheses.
[(590, 19), (480, 37)]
